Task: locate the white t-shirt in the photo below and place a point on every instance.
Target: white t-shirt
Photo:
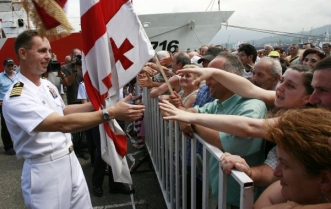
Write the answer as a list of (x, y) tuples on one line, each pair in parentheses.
[(82, 92)]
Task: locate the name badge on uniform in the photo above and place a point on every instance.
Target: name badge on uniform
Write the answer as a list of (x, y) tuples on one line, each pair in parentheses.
[(52, 91)]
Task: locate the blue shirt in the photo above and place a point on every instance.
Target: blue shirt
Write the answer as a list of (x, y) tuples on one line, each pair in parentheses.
[(5, 83), (202, 98)]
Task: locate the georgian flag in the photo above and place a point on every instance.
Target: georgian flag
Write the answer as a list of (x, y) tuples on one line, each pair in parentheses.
[(115, 49)]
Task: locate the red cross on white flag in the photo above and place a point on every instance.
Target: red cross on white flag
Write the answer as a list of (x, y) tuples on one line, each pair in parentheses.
[(115, 49)]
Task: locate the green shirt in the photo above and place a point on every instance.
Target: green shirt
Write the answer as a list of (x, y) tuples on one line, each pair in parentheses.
[(251, 149)]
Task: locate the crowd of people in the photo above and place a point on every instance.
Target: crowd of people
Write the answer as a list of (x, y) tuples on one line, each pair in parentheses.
[(247, 88), (268, 111)]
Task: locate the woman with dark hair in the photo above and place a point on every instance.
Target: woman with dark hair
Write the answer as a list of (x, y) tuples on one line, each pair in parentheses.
[(311, 57)]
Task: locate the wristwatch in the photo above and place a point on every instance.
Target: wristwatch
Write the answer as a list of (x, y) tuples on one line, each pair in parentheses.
[(105, 115)]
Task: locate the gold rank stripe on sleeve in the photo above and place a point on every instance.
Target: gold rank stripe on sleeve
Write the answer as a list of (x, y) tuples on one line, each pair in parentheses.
[(17, 89)]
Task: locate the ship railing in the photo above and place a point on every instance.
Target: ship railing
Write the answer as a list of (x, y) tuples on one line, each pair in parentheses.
[(167, 149)]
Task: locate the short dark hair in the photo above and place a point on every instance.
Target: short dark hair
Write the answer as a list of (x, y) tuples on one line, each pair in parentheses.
[(24, 40), (324, 64), (249, 50), (328, 44), (313, 51), (279, 48)]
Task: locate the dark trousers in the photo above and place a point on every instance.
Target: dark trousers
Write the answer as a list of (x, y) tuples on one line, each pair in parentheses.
[(80, 143), (99, 164), (79, 140), (6, 139), (90, 142)]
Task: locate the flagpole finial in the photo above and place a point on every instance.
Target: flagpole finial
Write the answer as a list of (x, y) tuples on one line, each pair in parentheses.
[(48, 17)]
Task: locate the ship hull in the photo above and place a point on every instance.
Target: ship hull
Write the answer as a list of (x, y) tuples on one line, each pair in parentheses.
[(165, 31)]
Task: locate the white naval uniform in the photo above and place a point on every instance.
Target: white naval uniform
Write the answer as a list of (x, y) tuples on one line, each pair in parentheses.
[(52, 177)]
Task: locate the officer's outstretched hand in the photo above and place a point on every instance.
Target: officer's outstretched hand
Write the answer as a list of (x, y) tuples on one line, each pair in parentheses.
[(124, 111)]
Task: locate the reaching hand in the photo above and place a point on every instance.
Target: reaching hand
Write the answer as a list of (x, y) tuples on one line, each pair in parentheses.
[(166, 61), (176, 100), (124, 111), (156, 68), (147, 70), (144, 81), (175, 113), (203, 73), (187, 129), (230, 162)]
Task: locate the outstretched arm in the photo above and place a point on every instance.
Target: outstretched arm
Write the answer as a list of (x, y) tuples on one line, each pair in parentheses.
[(237, 84), (77, 118), (232, 124), (271, 196)]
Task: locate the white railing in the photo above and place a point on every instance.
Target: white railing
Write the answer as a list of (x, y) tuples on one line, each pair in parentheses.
[(168, 156)]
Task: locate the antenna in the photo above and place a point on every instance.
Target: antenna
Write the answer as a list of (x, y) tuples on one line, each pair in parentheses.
[(302, 35)]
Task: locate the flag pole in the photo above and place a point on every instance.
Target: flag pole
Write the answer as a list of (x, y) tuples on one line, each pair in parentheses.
[(164, 75)]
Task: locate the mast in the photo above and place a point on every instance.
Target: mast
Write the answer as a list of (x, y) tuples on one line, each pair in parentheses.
[(18, 2)]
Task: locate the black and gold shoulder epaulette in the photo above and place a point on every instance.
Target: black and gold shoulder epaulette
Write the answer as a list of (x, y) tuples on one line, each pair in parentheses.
[(17, 89)]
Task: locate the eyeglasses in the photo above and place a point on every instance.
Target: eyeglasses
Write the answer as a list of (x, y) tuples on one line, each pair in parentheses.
[(10, 65)]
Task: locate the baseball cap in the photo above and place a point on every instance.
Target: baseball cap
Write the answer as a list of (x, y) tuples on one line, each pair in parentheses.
[(8, 61), (273, 54), (210, 54)]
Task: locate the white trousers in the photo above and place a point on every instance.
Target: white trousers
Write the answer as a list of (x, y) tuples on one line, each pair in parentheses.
[(58, 184)]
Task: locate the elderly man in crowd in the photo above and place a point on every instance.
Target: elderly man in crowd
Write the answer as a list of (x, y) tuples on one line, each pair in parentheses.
[(267, 73), (294, 55), (267, 50), (203, 50)]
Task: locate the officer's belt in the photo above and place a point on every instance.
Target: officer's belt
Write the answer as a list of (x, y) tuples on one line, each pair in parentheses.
[(51, 157)]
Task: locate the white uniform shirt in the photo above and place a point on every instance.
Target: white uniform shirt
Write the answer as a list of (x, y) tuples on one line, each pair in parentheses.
[(25, 112)]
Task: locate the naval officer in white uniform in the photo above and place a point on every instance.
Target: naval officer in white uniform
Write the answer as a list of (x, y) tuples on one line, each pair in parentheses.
[(40, 123)]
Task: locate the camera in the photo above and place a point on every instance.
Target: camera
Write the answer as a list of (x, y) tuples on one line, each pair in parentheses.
[(54, 66), (78, 60)]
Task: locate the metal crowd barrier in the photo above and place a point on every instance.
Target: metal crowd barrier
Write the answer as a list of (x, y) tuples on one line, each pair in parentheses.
[(167, 149)]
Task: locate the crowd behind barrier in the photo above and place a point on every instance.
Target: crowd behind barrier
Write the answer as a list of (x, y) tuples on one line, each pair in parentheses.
[(167, 147)]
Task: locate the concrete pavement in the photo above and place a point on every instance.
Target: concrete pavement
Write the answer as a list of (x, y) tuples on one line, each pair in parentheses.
[(148, 193)]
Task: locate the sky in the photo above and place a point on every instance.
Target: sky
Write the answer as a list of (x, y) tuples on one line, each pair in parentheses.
[(280, 15)]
